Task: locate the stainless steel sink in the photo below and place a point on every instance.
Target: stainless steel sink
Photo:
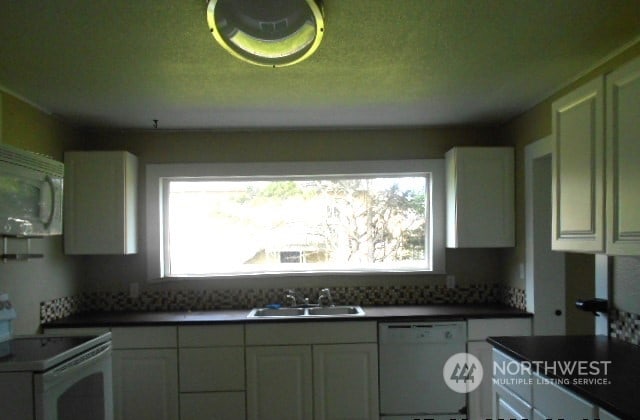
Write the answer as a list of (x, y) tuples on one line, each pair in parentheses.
[(335, 310), (320, 311), (281, 312)]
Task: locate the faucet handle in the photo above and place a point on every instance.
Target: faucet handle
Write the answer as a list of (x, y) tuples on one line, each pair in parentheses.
[(290, 296), (325, 294)]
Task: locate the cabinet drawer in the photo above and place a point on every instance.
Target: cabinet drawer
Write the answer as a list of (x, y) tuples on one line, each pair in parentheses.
[(211, 335), (212, 369), (312, 333), (144, 337), (554, 401), (509, 373), (480, 329)]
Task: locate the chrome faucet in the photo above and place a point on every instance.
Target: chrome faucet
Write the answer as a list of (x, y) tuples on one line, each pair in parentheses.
[(325, 299), (295, 300), (290, 298)]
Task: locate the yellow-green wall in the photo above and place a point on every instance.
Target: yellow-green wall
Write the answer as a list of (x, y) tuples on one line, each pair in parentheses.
[(57, 275), (527, 128), (31, 282), (116, 273)]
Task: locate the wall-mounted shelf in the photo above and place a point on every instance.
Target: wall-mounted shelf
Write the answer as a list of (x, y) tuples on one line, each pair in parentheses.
[(18, 256)]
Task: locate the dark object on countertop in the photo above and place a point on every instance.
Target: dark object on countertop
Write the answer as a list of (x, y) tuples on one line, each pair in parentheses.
[(594, 305)]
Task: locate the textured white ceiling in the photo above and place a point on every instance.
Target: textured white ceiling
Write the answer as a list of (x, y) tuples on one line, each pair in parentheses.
[(124, 63)]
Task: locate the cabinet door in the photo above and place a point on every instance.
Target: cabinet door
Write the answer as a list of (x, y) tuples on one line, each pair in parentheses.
[(212, 406), (605, 415), (623, 170), (212, 369), (279, 384), (479, 400), (578, 170), (100, 203), (145, 384), (555, 401), (345, 379), (507, 405)]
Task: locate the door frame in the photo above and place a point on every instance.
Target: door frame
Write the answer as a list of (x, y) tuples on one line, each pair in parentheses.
[(536, 150)]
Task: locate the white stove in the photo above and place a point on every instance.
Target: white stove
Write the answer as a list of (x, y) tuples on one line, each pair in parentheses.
[(43, 352), (49, 377)]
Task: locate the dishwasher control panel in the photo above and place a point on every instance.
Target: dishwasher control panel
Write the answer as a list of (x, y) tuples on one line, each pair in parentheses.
[(422, 332)]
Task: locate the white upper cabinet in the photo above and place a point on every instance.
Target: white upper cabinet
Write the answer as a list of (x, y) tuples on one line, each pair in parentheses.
[(100, 203), (480, 197), (578, 170), (623, 164), (593, 144)]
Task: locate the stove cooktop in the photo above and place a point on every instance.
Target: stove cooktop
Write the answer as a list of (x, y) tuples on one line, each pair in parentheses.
[(42, 352)]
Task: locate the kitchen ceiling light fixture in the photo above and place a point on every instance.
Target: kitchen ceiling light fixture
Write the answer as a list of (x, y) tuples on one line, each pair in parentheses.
[(271, 33)]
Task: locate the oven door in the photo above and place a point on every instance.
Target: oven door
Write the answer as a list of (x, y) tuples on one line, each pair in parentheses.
[(78, 389)]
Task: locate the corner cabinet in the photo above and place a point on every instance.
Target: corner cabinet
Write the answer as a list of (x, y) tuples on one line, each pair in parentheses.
[(480, 197), (589, 216), (479, 401), (522, 394), (100, 198)]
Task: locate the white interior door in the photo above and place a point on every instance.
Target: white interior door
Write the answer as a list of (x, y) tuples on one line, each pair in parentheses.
[(545, 273)]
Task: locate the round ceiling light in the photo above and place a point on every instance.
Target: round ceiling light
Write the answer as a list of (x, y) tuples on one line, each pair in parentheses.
[(267, 32)]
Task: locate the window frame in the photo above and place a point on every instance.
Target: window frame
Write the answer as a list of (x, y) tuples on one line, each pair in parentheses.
[(155, 173)]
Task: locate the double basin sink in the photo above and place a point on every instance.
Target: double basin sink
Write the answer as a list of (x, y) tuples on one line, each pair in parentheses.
[(315, 311)]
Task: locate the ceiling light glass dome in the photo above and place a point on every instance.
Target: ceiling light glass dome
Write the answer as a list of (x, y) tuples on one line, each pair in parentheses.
[(267, 32)]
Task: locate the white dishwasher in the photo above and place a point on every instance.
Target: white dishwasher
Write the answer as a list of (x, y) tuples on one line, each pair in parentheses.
[(412, 356)]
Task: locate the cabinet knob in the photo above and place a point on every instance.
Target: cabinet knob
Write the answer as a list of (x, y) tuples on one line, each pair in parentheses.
[(558, 312)]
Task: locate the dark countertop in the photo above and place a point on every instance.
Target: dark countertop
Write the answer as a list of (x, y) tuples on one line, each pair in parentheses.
[(430, 312), (619, 394)]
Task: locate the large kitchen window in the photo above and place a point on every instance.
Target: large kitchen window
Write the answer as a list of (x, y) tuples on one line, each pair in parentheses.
[(211, 220)]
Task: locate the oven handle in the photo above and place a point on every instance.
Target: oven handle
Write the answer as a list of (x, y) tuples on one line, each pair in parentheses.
[(80, 361)]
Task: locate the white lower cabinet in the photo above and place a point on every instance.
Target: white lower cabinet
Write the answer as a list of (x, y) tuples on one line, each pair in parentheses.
[(521, 394), (605, 415), (145, 373), (479, 400), (553, 401), (345, 379), (321, 371), (479, 405), (507, 405), (212, 406), (212, 372), (279, 384), (145, 384)]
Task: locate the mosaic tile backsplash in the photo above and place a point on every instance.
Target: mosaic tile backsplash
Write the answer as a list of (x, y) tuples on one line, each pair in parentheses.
[(202, 300), (624, 326)]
